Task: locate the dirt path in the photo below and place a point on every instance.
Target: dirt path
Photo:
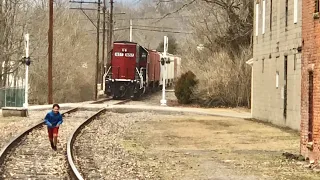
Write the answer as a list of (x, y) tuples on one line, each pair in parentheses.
[(153, 146), (193, 147)]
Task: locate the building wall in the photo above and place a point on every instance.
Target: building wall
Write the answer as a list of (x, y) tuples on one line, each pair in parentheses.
[(269, 52), (311, 52)]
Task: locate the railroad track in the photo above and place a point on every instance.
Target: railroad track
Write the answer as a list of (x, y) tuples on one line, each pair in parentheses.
[(30, 156), (74, 172), (115, 102), (95, 150)]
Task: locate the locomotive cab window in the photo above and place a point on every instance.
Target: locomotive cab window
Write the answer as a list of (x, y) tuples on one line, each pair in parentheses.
[(143, 54)]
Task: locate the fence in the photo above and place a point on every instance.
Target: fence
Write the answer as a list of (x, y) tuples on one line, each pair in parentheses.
[(11, 97)]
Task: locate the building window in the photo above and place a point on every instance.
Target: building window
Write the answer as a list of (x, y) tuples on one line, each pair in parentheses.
[(257, 19), (263, 16), (295, 11), (317, 6), (277, 79), (270, 15), (287, 10)]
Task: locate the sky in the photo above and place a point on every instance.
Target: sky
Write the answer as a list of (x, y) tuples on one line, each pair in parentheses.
[(135, 2)]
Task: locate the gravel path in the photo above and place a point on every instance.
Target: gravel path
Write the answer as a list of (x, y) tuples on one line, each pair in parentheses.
[(98, 154), (12, 126), (153, 146), (106, 150), (34, 158), (154, 99)]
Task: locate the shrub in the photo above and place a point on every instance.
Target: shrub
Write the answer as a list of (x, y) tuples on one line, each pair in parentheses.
[(184, 87), (222, 81)]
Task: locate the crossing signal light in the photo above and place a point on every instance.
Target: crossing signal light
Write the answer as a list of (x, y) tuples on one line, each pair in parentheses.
[(26, 60), (162, 61)]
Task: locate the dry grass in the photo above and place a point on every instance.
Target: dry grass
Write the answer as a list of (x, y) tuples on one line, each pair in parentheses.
[(183, 148)]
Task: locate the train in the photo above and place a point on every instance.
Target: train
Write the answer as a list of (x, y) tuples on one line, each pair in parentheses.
[(135, 71)]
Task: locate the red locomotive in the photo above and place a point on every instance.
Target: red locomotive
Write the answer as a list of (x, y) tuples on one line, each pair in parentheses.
[(135, 70)]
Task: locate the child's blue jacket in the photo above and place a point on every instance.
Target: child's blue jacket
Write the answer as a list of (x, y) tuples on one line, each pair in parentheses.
[(52, 119)]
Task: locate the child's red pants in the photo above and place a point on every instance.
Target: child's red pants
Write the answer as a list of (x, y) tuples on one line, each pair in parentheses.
[(53, 132)]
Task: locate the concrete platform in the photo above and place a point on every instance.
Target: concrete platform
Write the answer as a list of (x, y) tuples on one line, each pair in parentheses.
[(134, 108), (139, 108), (62, 105), (14, 111), (199, 111)]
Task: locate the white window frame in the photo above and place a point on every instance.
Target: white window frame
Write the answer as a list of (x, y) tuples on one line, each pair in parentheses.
[(263, 16), (257, 19), (295, 11)]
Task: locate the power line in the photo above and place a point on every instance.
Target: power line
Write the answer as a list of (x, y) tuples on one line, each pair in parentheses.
[(159, 27), (144, 29), (146, 18), (86, 2), (157, 30), (97, 26)]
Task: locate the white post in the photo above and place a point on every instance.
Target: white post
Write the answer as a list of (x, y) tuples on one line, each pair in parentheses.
[(164, 73), (5, 97), (130, 30), (27, 72)]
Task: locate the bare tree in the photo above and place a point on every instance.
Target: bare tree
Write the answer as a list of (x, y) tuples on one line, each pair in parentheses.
[(224, 29)]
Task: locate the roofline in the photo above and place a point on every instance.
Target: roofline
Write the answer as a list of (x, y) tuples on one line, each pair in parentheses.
[(127, 42)]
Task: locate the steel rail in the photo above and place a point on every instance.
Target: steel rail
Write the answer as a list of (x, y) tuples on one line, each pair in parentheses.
[(6, 149), (74, 173), (101, 101), (123, 102), (17, 139)]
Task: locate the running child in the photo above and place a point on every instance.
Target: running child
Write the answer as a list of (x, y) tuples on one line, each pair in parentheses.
[(53, 120)]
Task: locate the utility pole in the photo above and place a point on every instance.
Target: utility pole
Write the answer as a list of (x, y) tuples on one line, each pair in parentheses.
[(130, 30), (98, 43), (110, 26), (108, 38), (50, 41), (103, 43)]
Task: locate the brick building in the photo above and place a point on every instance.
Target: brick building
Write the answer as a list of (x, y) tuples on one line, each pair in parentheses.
[(276, 63), (310, 92)]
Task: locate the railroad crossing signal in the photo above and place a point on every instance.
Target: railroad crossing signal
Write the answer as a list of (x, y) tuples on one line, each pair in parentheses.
[(164, 61), (26, 61)]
